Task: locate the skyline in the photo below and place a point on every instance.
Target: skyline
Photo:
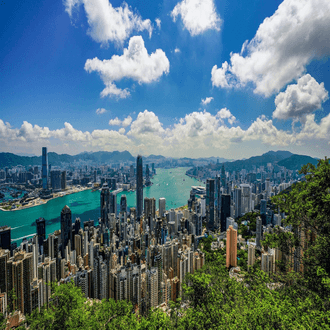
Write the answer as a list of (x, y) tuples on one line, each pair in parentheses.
[(187, 78)]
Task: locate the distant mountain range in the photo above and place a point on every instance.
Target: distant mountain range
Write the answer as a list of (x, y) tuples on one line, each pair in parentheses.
[(281, 158), (9, 159)]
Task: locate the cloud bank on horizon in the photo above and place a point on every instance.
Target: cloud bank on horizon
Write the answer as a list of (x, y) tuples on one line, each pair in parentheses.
[(153, 59), (196, 133)]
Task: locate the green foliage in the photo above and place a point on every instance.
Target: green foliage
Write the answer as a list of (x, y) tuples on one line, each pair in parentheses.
[(308, 209)]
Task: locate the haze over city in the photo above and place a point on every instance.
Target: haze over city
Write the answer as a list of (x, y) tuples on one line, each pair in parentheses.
[(187, 78)]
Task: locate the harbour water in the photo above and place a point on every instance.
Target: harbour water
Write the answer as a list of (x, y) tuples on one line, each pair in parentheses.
[(172, 184)]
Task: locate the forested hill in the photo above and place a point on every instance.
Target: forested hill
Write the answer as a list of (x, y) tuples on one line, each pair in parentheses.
[(281, 158), (295, 162)]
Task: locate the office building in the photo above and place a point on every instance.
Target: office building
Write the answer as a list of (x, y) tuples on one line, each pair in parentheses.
[(223, 176), (148, 182), (225, 211), (63, 180), (104, 203), (258, 231), (5, 237), (44, 168), (66, 228), (245, 198), (217, 200), (263, 211), (139, 187), (210, 204), (41, 232), (55, 180), (231, 247), (162, 206), (123, 203), (150, 208), (238, 201), (113, 203)]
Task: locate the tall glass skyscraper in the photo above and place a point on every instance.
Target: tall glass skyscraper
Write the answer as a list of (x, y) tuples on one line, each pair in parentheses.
[(210, 204), (41, 231), (139, 187), (66, 228), (44, 168)]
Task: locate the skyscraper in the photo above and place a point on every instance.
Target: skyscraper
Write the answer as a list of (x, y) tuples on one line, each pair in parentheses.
[(238, 202), (225, 211), (217, 200), (210, 204), (139, 187), (5, 237), (104, 203), (245, 198), (44, 168), (150, 207), (258, 231), (123, 203), (113, 203), (55, 180), (263, 211), (148, 183), (41, 232), (231, 247), (66, 225), (20, 272), (162, 206), (223, 176), (63, 180)]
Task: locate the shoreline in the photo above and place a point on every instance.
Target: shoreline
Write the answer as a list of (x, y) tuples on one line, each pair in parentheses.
[(43, 201)]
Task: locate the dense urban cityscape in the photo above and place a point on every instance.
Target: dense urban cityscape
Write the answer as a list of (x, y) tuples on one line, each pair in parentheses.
[(140, 254), (164, 165)]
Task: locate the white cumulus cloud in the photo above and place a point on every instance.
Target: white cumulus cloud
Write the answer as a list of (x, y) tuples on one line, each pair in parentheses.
[(300, 99), (207, 100), (197, 15), (100, 111), (107, 23), (177, 50), (197, 134), (135, 64), (115, 122), (283, 46), (158, 22), (226, 114), (127, 121)]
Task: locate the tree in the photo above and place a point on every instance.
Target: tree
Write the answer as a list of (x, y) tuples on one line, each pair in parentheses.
[(307, 246)]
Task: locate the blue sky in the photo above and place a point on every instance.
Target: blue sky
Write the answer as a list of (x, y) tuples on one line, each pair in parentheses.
[(190, 78)]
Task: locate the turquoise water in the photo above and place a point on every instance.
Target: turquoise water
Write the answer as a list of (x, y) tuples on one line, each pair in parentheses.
[(172, 184)]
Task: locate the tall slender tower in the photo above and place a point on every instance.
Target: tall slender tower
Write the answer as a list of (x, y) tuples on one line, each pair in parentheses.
[(41, 232), (104, 203), (44, 168), (66, 228), (223, 176), (148, 183), (231, 247), (210, 204), (139, 187), (123, 203)]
